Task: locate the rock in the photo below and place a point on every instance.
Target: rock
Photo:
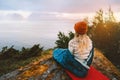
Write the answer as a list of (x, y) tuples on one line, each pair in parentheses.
[(47, 69), (10, 75)]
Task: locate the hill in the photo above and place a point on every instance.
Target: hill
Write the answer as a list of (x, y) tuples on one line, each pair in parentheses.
[(47, 69)]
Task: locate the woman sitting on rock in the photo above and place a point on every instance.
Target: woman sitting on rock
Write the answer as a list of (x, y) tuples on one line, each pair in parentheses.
[(79, 55)]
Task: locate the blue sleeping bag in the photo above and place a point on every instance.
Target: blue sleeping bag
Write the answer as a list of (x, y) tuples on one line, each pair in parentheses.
[(67, 61)]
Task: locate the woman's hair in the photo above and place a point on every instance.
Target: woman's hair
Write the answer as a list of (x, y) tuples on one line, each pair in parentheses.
[(84, 42)]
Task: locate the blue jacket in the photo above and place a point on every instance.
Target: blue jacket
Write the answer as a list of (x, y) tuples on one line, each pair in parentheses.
[(67, 61)]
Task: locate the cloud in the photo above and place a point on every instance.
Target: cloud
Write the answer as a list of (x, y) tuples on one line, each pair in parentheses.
[(49, 16), (57, 5), (114, 1), (14, 15), (37, 16), (11, 17)]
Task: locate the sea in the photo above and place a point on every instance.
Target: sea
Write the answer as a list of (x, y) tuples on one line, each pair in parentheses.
[(28, 33)]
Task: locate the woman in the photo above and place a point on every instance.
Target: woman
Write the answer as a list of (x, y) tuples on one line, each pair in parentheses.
[(81, 45), (78, 57)]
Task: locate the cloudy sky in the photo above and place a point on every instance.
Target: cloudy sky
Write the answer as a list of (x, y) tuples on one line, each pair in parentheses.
[(24, 21), (44, 9)]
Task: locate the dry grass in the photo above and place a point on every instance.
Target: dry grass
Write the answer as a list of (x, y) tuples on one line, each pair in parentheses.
[(104, 65)]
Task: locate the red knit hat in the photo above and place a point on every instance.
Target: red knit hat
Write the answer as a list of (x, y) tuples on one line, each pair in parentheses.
[(81, 27)]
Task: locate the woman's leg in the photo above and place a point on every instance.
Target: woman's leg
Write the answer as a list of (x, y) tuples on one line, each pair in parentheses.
[(66, 60)]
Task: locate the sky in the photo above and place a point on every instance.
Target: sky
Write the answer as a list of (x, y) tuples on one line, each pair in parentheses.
[(35, 10), (23, 22)]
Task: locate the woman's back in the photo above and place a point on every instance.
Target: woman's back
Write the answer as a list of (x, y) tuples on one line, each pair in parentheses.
[(80, 46)]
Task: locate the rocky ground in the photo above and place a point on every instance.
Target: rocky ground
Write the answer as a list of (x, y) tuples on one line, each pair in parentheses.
[(47, 69)]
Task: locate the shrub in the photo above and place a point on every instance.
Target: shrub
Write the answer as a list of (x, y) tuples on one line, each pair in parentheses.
[(63, 39), (23, 54), (30, 52)]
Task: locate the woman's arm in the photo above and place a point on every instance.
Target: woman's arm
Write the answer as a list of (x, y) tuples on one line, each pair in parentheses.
[(71, 46)]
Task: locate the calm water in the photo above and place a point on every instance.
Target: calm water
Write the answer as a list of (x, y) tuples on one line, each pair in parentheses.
[(29, 33)]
